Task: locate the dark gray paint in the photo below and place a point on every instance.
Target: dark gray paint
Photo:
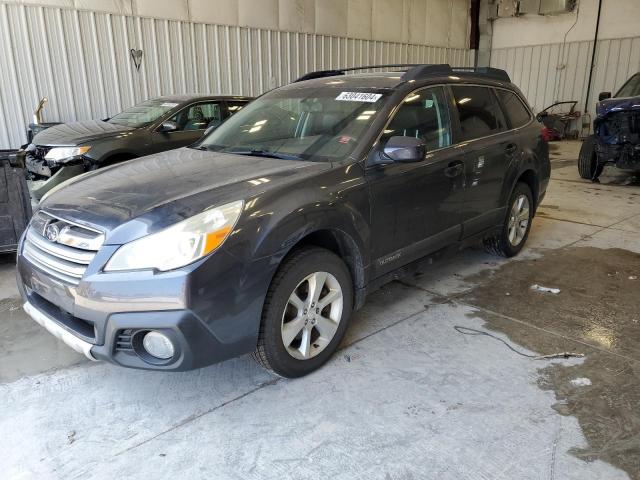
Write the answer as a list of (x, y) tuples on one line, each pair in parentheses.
[(370, 211)]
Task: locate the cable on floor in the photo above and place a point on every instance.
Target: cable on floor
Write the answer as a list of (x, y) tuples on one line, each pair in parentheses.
[(473, 331)]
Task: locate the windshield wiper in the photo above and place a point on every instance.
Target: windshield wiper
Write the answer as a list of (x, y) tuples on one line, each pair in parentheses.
[(263, 153)]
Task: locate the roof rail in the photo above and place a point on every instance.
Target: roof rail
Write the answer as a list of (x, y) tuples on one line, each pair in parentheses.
[(495, 73), (414, 71), (319, 74), (342, 71), (419, 71)]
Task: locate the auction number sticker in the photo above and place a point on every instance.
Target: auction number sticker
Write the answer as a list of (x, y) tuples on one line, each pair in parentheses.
[(359, 97)]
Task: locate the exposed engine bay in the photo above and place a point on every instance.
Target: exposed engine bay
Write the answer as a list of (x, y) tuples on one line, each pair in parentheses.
[(618, 139)]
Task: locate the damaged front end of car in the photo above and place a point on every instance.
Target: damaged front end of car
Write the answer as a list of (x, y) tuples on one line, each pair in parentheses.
[(617, 133), (50, 166)]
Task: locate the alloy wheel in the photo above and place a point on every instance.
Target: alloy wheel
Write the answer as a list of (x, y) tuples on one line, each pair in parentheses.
[(312, 315), (518, 220)]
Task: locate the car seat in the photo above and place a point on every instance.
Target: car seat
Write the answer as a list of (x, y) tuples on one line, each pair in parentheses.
[(197, 122)]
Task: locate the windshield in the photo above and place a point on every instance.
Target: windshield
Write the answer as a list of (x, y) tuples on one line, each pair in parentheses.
[(143, 114), (631, 88), (319, 124)]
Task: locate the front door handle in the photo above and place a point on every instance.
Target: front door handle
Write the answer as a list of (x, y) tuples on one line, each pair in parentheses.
[(454, 169)]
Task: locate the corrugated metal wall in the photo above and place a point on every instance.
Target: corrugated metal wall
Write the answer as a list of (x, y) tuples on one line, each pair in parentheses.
[(557, 72), (80, 60)]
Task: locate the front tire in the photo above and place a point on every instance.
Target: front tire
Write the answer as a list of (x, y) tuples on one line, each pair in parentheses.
[(517, 224), (306, 313), (588, 166)]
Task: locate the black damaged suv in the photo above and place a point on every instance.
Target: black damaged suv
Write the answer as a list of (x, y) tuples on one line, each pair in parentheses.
[(267, 234)]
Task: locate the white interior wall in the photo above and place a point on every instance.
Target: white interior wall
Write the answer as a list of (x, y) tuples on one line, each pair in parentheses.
[(423, 22), (533, 50), (76, 52), (619, 19)]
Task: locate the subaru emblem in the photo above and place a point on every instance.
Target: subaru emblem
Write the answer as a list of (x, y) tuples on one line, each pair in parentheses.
[(51, 232)]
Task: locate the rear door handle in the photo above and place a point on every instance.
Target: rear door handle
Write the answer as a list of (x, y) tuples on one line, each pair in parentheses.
[(454, 169), (511, 149)]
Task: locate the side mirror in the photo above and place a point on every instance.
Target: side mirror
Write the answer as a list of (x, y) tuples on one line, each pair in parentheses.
[(604, 96), (168, 126), (405, 149)]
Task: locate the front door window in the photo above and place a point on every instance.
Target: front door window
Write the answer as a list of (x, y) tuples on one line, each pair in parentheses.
[(198, 117), (423, 115)]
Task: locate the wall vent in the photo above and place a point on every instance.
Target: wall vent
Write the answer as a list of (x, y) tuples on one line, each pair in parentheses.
[(529, 6), (553, 7), (507, 8)]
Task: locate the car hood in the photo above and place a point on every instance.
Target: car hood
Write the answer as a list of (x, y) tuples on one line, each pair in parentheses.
[(144, 195), (611, 105), (78, 133)]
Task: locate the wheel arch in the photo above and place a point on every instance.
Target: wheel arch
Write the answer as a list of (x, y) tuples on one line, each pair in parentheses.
[(344, 246), (340, 243), (530, 178)]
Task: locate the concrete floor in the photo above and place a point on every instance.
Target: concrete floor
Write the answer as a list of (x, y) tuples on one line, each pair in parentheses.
[(407, 396)]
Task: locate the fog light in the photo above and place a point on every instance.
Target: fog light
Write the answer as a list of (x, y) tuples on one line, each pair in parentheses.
[(158, 345)]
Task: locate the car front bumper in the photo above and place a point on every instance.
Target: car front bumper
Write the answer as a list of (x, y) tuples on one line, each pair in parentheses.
[(56, 330), (625, 156), (210, 310)]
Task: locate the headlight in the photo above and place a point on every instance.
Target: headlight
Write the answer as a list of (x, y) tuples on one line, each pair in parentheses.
[(180, 244), (60, 153)]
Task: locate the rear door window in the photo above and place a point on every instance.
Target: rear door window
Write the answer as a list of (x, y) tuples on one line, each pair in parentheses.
[(425, 115), (517, 113), (479, 112)]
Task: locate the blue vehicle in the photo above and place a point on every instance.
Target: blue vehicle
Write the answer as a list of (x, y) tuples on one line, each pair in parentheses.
[(616, 138)]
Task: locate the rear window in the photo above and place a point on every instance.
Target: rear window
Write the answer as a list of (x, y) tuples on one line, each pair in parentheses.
[(479, 112), (516, 111)]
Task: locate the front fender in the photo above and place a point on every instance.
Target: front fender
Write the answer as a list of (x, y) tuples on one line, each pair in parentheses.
[(336, 201), (136, 142)]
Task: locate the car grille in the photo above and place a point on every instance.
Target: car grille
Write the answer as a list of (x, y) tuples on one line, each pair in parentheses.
[(60, 248)]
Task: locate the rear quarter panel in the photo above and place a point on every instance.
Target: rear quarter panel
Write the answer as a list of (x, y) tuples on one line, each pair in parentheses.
[(534, 156)]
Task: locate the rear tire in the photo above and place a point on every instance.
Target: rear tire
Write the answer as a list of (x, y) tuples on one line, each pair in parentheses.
[(588, 166), (517, 224), (306, 313)]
